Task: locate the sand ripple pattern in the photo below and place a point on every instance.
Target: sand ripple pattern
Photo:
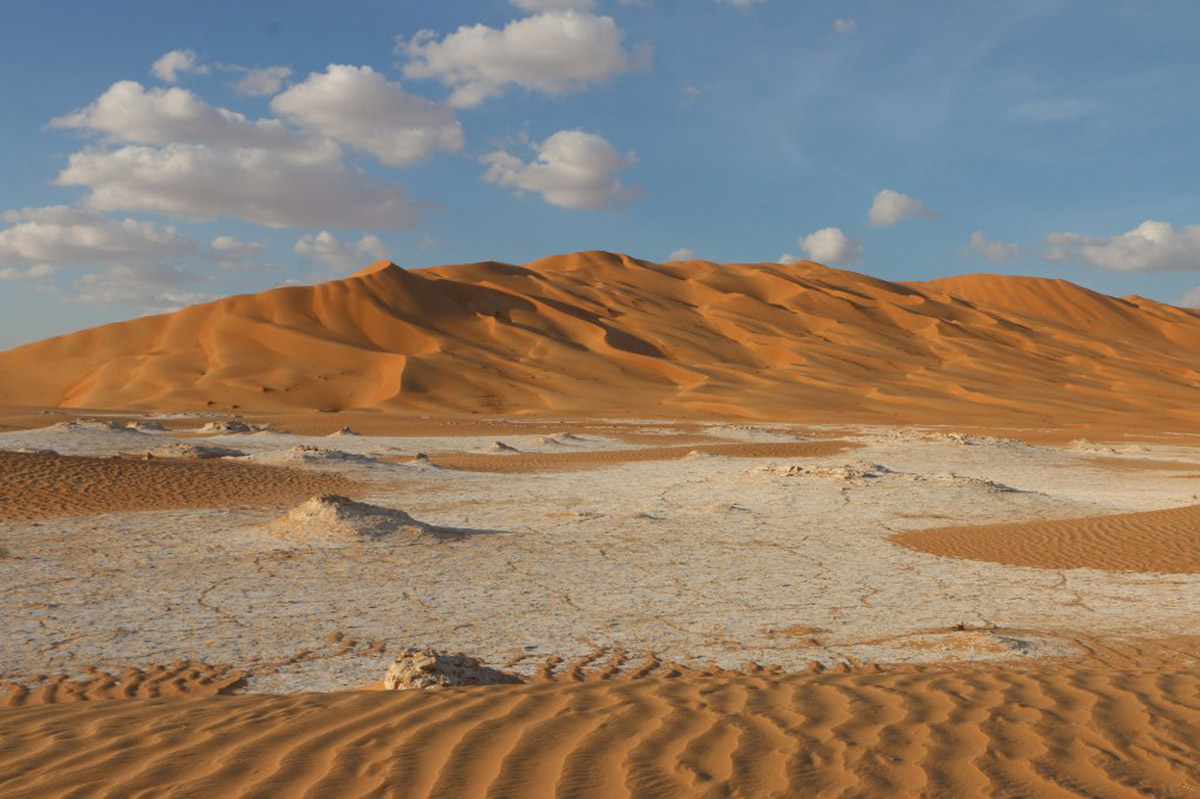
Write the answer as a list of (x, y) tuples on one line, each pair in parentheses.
[(38, 485), (180, 679), (1045, 733), (1165, 541)]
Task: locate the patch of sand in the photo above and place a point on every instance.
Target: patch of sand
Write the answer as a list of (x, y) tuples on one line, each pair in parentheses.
[(1139, 464), (180, 679), (1165, 541), (1002, 733), (39, 485)]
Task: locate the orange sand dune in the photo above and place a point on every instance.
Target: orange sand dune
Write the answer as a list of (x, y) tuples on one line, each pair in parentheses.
[(601, 333), (1154, 541), (40, 485), (1046, 732)]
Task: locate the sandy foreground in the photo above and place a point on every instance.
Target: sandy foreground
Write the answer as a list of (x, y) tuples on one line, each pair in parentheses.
[(700, 609)]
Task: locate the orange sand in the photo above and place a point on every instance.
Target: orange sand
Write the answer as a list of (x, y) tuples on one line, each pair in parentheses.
[(1047, 732), (1155, 541), (38, 486), (180, 679), (607, 334)]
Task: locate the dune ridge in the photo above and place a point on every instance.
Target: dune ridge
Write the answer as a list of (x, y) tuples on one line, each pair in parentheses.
[(42, 485), (1164, 541), (1030, 732), (604, 333)]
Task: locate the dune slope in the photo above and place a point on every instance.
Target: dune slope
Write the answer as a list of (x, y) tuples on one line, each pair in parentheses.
[(597, 332)]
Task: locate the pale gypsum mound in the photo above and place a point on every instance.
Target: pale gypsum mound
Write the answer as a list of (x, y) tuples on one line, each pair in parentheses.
[(331, 518), (425, 668), (606, 334), (1017, 733), (1154, 541), (599, 459), (41, 485), (198, 451)]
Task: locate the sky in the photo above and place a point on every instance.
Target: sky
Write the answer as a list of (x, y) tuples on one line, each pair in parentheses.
[(157, 154)]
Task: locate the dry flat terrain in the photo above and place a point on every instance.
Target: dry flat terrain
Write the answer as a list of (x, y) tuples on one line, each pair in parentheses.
[(757, 610), (739, 531)]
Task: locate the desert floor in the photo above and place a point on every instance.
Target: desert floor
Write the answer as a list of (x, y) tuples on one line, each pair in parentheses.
[(701, 609)]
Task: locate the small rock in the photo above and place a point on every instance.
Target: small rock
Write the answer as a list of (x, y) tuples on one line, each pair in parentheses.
[(227, 426), (426, 668)]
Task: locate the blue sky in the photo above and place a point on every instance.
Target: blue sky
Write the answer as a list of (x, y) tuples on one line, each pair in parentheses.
[(157, 154)]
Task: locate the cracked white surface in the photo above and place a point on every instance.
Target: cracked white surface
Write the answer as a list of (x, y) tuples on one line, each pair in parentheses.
[(705, 559)]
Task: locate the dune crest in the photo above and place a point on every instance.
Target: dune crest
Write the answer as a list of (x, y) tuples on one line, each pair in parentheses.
[(598, 332)]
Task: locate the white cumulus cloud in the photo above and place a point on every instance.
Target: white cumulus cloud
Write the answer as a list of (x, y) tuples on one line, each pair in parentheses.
[(845, 27), (1191, 298), (170, 66), (229, 247), (890, 207), (359, 107), (991, 249), (258, 185), (334, 253), (61, 236), (572, 169), (129, 112), (260, 81), (32, 273), (831, 246), (683, 254), (1152, 246), (555, 52)]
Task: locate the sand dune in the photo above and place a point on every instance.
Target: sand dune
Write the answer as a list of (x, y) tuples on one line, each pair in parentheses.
[(42, 485), (1034, 732), (602, 333), (1156, 541)]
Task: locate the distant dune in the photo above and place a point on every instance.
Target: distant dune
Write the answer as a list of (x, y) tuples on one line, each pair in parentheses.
[(602, 333)]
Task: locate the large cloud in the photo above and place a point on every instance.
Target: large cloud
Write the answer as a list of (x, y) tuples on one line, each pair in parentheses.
[(554, 52), (572, 169), (1152, 246), (61, 235), (128, 112), (831, 246), (890, 207), (197, 182), (359, 107), (334, 253)]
